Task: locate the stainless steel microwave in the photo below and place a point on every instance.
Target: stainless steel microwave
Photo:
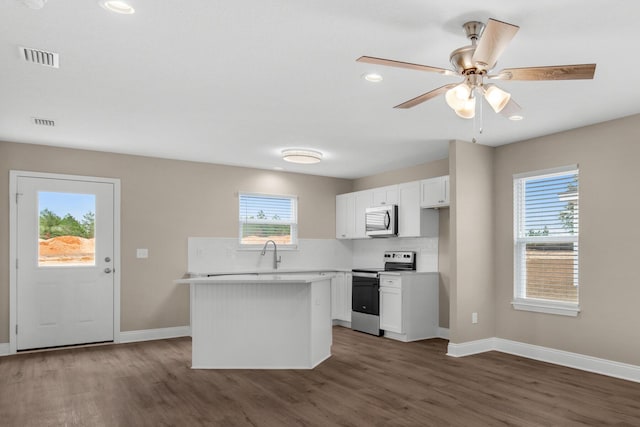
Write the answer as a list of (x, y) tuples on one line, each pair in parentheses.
[(382, 221)]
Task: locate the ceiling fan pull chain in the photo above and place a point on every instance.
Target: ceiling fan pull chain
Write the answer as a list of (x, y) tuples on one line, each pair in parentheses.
[(479, 101)]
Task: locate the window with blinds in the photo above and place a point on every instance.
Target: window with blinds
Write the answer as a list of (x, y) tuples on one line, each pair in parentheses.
[(268, 217), (546, 216)]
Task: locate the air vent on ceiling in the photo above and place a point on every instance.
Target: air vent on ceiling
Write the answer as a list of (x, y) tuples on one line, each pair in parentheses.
[(42, 57), (42, 122)]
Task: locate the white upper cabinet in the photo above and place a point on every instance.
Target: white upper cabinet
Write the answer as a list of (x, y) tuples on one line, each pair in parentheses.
[(385, 195), (412, 220), (345, 219), (434, 192), (363, 200), (350, 214)]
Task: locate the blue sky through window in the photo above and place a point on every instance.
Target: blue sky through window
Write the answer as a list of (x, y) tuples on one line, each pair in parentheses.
[(62, 204), (280, 208), (545, 200)]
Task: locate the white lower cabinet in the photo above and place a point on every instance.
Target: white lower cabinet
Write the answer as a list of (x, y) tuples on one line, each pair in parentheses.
[(409, 305), (391, 309), (341, 297)]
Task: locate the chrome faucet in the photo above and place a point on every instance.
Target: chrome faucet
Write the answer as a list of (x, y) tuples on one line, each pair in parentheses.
[(276, 258)]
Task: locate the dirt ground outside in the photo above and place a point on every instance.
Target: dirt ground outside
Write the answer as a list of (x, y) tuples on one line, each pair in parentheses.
[(69, 250), (259, 240)]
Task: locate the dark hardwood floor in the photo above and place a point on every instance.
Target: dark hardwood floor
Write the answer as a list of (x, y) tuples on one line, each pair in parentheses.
[(368, 381)]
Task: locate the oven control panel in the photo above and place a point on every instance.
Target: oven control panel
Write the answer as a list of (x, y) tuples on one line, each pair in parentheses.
[(399, 256)]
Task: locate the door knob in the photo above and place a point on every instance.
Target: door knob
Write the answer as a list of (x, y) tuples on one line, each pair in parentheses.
[(107, 270), (107, 259)]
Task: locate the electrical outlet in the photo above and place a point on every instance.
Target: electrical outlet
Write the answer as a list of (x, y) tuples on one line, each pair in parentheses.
[(142, 253), (474, 317)]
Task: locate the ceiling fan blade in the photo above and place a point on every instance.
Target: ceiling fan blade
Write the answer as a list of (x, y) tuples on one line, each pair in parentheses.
[(495, 38), (400, 64), (556, 72), (511, 109), (426, 96)]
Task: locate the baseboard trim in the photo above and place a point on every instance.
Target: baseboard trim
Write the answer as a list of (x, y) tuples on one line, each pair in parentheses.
[(443, 333), (583, 362), (155, 334), (343, 323), (4, 349), (471, 347)]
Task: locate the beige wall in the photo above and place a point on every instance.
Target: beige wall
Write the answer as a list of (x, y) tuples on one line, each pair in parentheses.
[(472, 242), (163, 203), (608, 325), (415, 173), (444, 268)]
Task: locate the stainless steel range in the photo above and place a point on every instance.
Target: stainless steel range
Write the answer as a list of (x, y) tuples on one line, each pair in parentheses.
[(365, 302)]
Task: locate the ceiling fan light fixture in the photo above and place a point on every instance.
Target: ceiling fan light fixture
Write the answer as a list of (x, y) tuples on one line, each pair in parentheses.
[(496, 97), (118, 6), (468, 110), (297, 155), (458, 96)]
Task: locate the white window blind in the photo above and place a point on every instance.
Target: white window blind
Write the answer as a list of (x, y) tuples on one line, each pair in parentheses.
[(546, 215), (268, 217)]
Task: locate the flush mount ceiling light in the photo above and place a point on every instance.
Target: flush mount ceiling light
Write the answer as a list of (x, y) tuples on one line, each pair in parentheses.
[(118, 6), (296, 155), (372, 77)]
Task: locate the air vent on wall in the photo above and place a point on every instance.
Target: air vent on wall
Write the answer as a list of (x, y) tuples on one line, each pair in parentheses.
[(42, 122), (42, 57)]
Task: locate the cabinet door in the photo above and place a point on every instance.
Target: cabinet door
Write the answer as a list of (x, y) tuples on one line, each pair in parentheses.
[(363, 200), (445, 187), (409, 209), (341, 216), (346, 314), (434, 192), (391, 309), (337, 296), (385, 195)]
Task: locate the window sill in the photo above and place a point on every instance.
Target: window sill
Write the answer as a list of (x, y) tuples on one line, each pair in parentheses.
[(548, 307), (258, 248)]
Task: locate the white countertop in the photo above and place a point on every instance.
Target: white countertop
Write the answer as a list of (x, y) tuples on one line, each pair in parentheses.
[(256, 277)]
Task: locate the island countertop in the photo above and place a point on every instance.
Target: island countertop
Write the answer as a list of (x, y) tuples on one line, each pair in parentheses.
[(266, 278)]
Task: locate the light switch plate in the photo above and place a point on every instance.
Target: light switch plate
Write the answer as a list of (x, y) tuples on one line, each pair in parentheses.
[(142, 253)]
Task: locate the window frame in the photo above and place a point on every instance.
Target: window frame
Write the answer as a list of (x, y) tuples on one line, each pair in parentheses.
[(520, 300), (293, 224)]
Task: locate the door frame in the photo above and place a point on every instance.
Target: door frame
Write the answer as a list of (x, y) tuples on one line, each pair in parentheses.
[(13, 255)]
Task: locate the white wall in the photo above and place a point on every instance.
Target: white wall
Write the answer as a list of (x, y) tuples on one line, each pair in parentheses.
[(222, 255), (369, 252)]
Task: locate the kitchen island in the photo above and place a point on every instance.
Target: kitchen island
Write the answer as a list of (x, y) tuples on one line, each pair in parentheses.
[(260, 321)]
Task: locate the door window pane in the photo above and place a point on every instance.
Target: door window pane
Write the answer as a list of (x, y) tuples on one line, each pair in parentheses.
[(66, 229)]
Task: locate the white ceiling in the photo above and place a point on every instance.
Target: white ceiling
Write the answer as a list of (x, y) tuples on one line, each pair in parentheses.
[(235, 82)]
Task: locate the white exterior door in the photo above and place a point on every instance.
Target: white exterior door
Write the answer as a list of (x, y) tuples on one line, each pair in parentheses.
[(64, 245)]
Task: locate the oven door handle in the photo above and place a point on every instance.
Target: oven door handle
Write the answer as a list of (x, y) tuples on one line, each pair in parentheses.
[(363, 274)]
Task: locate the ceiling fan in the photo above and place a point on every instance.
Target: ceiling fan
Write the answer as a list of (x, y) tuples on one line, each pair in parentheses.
[(474, 62)]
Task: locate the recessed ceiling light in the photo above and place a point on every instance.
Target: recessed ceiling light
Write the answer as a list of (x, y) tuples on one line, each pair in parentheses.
[(372, 77), (297, 155), (118, 6), (516, 117)]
